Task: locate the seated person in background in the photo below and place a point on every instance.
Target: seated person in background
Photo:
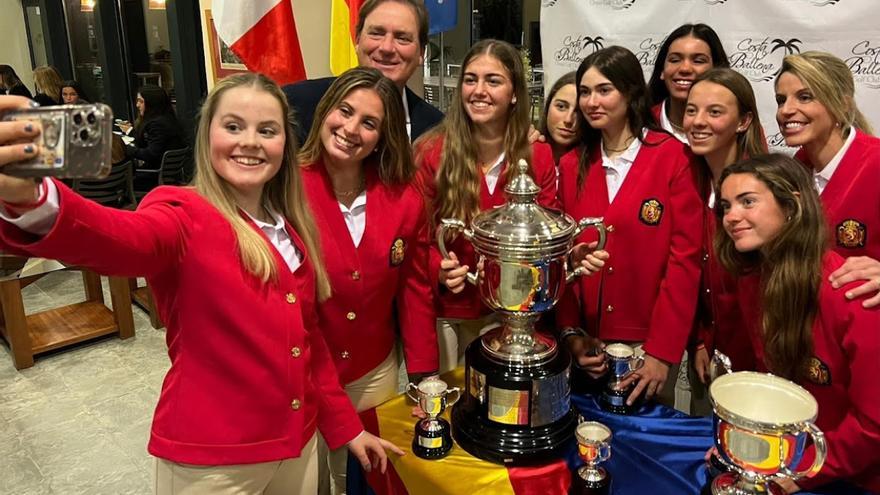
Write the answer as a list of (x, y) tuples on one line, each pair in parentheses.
[(10, 84), (155, 131), (72, 93), (391, 36), (47, 84), (775, 239)]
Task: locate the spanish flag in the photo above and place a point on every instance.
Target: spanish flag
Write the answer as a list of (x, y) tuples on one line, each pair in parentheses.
[(343, 23)]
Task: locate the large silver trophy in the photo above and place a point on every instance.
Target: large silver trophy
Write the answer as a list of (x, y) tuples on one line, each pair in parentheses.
[(516, 409), (763, 425)]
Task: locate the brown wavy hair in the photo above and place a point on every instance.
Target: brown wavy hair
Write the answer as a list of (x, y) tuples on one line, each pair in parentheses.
[(392, 157), (283, 193), (458, 178), (789, 265)]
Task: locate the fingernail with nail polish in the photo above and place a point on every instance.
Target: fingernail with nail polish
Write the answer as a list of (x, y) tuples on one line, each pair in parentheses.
[(29, 148), (34, 104), (29, 128)]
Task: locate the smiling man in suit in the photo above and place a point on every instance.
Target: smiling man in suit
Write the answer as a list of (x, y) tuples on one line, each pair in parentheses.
[(391, 36)]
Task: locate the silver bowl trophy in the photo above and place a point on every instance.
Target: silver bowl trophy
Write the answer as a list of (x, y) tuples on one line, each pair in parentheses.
[(594, 447), (432, 439), (763, 425), (622, 362), (516, 409)]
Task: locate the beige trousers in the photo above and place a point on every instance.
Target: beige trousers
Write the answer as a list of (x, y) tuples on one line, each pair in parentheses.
[(287, 477), (453, 337), (366, 392)]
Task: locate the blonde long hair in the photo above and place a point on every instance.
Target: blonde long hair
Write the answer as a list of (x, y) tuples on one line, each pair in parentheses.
[(283, 193), (393, 157), (48, 81), (831, 82), (458, 178)]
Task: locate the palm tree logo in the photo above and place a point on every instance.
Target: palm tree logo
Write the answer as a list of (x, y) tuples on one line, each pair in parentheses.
[(790, 47), (596, 43)]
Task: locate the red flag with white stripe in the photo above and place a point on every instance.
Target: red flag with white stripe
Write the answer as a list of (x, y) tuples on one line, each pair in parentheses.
[(263, 35)]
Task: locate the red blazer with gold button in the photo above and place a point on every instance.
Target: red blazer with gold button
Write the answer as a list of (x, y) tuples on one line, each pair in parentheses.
[(648, 288), (852, 198), (467, 304), (250, 376), (842, 376), (380, 285)]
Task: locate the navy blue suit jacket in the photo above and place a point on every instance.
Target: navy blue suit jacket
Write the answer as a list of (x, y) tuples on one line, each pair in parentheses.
[(304, 96)]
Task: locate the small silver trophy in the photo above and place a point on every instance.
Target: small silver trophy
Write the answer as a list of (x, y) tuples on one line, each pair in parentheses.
[(594, 447), (433, 439), (622, 362)]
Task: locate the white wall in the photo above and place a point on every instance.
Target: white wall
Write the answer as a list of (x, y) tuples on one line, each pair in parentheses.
[(14, 48)]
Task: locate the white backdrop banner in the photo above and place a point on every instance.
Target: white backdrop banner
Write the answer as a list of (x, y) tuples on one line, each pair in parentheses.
[(756, 35)]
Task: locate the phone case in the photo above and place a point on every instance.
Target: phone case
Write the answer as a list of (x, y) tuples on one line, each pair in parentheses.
[(75, 141)]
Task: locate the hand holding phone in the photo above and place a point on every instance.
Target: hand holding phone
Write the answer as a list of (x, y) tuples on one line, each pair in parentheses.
[(74, 141), (17, 143)]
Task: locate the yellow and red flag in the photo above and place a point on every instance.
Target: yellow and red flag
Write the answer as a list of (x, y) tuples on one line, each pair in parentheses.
[(343, 23)]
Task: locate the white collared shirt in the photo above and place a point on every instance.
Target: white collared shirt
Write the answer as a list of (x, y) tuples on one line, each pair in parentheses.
[(666, 125), (494, 173), (822, 178), (406, 115), (278, 236), (356, 217), (617, 168)]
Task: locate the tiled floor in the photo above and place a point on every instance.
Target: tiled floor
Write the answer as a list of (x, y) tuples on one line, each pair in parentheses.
[(78, 420)]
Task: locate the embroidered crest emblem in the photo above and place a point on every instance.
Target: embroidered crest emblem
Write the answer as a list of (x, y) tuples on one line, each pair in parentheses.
[(818, 372), (398, 251), (851, 234), (651, 212)]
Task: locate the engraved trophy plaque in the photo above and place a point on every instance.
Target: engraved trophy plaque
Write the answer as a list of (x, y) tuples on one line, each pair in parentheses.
[(516, 408), (763, 425), (594, 447), (432, 439)]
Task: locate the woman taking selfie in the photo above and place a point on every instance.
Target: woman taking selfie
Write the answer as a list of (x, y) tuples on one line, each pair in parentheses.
[(816, 111), (641, 181), (722, 125), (464, 164), (775, 238), (357, 173), (237, 293)]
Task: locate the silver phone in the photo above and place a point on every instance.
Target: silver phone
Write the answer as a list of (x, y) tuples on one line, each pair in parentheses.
[(75, 141)]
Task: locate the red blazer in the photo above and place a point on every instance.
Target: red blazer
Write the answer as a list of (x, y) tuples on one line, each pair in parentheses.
[(380, 285), (843, 378), (467, 304), (250, 376), (656, 110), (720, 322), (648, 288), (852, 199)]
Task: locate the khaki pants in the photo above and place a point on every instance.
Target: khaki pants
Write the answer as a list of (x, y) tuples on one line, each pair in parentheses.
[(453, 337), (287, 477), (366, 392)]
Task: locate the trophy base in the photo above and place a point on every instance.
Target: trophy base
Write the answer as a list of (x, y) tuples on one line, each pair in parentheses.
[(434, 442), (614, 400), (732, 484), (584, 486), (514, 413)]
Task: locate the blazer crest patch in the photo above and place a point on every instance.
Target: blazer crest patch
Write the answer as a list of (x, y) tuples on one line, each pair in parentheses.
[(851, 233), (651, 212), (818, 372), (398, 251)]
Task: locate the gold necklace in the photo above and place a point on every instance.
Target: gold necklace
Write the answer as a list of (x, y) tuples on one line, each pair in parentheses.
[(608, 150), (351, 192)]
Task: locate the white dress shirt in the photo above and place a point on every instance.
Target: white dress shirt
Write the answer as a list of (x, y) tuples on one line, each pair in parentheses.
[(616, 168), (279, 238), (821, 178), (666, 125), (356, 217), (406, 114), (494, 173)]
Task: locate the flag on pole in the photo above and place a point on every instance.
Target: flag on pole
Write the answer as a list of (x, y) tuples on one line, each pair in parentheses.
[(263, 35), (443, 15), (343, 24)]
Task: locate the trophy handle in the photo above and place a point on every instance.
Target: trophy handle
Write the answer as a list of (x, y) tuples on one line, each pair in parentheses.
[(584, 224), (821, 450), (410, 388), (719, 365), (449, 392), (452, 224), (604, 452)]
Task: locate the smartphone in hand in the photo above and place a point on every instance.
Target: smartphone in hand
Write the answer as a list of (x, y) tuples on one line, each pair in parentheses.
[(74, 141)]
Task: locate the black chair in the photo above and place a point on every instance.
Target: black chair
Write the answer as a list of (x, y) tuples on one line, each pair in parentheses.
[(115, 190), (175, 170)]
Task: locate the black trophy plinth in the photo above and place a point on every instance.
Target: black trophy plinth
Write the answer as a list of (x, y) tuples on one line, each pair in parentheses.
[(591, 486), (432, 439), (514, 413)]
